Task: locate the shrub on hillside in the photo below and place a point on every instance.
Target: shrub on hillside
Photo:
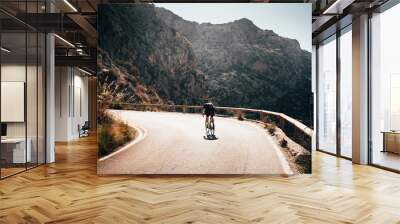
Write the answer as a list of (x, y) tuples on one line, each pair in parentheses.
[(112, 134), (283, 143), (304, 161), (115, 106), (271, 128)]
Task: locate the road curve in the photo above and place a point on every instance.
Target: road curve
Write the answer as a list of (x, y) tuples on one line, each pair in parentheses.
[(174, 144)]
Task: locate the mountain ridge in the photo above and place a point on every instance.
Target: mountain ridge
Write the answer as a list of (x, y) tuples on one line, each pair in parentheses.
[(235, 64)]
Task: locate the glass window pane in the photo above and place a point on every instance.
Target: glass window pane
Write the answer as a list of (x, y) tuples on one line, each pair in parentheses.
[(13, 86), (346, 94), (31, 97), (327, 96), (385, 89), (41, 99), (23, 90)]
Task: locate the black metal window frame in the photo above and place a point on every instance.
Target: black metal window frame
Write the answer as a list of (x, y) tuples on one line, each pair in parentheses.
[(336, 38), (387, 5), (44, 94)]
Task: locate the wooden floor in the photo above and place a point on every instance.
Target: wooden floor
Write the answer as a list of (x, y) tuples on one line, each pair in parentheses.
[(70, 191), (387, 159)]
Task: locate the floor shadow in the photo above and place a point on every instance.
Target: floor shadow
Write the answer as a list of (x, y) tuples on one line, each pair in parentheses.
[(210, 137)]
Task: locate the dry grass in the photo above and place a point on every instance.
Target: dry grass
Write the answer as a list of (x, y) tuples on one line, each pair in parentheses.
[(298, 157), (112, 134), (271, 127)]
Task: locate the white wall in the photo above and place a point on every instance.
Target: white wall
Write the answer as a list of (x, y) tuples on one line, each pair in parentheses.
[(16, 73), (81, 104), (12, 73), (62, 81), (71, 102)]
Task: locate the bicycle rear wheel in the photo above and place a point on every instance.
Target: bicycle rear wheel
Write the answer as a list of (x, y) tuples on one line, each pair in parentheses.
[(212, 128)]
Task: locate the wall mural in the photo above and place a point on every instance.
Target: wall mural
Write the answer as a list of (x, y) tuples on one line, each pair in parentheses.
[(204, 88)]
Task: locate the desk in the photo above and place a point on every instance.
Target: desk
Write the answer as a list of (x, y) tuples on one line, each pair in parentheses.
[(391, 141), (13, 150)]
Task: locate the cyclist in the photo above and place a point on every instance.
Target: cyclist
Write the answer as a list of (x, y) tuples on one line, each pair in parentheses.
[(209, 111)]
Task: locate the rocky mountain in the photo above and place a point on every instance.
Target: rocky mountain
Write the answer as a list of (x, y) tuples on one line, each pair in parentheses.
[(141, 45), (235, 64)]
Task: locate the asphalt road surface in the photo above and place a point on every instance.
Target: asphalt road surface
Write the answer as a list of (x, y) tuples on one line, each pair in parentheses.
[(174, 143)]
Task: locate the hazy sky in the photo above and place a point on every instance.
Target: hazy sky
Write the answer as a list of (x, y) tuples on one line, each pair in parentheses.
[(288, 20)]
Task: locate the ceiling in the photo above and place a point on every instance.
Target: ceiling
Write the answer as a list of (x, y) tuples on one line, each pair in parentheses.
[(75, 20)]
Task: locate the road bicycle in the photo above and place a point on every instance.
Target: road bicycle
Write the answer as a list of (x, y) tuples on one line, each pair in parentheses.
[(210, 127)]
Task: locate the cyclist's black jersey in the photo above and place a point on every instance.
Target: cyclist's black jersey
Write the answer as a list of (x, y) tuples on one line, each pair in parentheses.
[(209, 109)]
